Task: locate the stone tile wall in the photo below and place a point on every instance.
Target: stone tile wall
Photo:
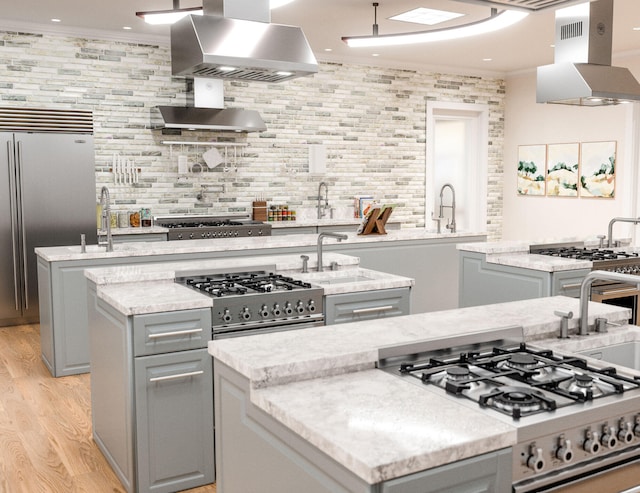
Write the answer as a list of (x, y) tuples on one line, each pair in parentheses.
[(372, 121)]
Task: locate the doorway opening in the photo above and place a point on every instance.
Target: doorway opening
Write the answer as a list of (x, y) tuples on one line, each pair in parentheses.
[(457, 154)]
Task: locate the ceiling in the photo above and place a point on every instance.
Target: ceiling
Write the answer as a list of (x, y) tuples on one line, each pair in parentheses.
[(518, 48)]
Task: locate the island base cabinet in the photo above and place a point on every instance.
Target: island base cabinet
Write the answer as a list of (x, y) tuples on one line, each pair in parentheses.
[(174, 421), (256, 453)]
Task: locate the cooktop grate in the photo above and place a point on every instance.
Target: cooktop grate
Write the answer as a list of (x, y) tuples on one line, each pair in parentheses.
[(528, 5)]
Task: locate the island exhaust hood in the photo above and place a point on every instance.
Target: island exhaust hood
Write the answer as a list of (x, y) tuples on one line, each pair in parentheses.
[(582, 73), (235, 39)]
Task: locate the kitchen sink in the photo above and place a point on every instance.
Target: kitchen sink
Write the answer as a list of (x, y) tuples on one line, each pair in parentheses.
[(118, 247), (342, 279), (623, 354)]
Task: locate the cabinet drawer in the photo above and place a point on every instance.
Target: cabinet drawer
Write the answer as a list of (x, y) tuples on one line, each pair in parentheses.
[(171, 331), (369, 305)]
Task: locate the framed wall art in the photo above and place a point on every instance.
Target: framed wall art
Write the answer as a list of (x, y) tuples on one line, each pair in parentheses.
[(598, 169), (562, 169), (531, 167)]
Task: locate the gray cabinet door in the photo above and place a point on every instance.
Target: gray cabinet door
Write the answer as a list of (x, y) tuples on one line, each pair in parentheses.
[(174, 421)]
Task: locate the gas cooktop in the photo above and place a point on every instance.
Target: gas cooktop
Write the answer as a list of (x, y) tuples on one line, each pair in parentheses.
[(581, 253), (571, 414)]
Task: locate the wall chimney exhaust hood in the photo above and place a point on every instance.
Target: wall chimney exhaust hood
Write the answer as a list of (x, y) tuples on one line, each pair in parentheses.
[(582, 73), (235, 39), (205, 111)]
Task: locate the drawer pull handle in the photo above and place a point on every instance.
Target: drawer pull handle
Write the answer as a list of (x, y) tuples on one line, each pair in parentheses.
[(175, 333), (569, 286), (175, 377), (372, 310)]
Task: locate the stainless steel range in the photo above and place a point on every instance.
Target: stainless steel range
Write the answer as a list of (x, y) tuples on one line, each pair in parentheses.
[(246, 303), (610, 260), (196, 227), (574, 418)]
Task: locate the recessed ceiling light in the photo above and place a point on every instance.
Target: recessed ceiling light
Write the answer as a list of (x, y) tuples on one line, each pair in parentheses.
[(487, 59), (126, 28), (636, 28), (328, 49), (56, 20), (375, 54), (426, 16)]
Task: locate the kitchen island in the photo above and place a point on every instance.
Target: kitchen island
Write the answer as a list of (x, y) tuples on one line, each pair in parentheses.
[(151, 378), (507, 271), (429, 258), (314, 414)]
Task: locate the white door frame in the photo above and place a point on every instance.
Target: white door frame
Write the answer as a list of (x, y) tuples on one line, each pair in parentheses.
[(478, 115)]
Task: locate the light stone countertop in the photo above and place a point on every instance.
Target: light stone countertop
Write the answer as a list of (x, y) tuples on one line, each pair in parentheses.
[(322, 384), (516, 254), (138, 231), (150, 288), (140, 249)]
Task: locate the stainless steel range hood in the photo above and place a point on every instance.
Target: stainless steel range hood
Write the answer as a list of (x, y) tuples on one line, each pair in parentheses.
[(582, 73), (205, 111), (235, 39)]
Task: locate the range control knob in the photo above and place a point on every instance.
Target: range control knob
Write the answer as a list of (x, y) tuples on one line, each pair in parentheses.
[(179, 236), (535, 461), (311, 306), (245, 314), (564, 452), (191, 236), (625, 433), (276, 310), (226, 316), (591, 443), (264, 311), (609, 439), (288, 309), (636, 428), (300, 307)]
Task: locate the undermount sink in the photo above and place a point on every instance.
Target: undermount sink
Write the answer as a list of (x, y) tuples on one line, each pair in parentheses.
[(119, 247), (624, 354), (342, 279)]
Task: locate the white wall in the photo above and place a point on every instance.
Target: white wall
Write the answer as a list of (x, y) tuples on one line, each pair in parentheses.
[(526, 122)]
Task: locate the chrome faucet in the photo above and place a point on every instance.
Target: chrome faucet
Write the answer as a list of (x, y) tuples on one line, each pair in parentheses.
[(452, 224), (322, 209), (585, 292), (634, 220), (105, 223), (321, 236)]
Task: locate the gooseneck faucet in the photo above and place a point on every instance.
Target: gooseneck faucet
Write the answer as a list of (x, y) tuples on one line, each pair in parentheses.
[(322, 210), (634, 220), (321, 236), (585, 291), (452, 224), (105, 223)]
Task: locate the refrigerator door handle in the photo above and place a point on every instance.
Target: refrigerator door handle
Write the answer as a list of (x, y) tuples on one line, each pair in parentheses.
[(12, 205), (23, 246)]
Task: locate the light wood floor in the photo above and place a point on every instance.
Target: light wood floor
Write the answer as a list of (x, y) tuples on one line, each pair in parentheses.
[(45, 425)]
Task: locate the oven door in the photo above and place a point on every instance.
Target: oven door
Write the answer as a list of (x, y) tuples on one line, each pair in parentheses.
[(241, 330), (608, 475), (618, 294)]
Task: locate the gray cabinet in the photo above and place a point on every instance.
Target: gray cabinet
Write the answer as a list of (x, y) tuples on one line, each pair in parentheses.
[(174, 421), (152, 396), (483, 283), (367, 305)]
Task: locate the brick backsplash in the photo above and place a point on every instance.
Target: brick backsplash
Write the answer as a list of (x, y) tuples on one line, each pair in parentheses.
[(371, 120)]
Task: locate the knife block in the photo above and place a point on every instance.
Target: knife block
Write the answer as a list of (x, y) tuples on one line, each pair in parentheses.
[(260, 211)]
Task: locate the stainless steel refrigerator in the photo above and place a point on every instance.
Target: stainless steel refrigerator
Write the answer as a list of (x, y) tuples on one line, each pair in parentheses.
[(47, 198)]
